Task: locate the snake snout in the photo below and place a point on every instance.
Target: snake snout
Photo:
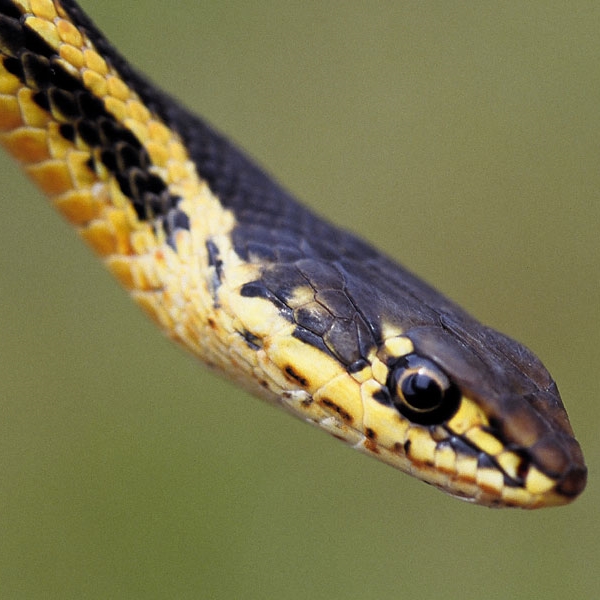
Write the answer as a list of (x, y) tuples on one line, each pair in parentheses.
[(536, 427)]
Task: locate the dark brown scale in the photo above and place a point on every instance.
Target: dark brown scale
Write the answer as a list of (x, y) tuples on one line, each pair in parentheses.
[(88, 132), (62, 79), (342, 341), (321, 275), (9, 9), (12, 39), (34, 42), (36, 70), (358, 365), (62, 104), (128, 158), (336, 302), (13, 66), (257, 289), (41, 99), (68, 132), (308, 337), (283, 280), (314, 317)]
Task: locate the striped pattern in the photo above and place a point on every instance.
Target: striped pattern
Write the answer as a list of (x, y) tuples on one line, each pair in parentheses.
[(296, 310)]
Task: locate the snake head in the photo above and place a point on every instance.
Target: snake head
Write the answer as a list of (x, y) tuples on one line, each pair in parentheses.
[(416, 382), (502, 436)]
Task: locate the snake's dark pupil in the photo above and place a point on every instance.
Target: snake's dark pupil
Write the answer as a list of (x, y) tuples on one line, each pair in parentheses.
[(421, 392)]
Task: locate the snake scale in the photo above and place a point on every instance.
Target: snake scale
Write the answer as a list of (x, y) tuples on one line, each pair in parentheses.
[(261, 289)]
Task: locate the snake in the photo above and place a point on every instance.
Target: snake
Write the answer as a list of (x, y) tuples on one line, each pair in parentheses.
[(297, 311)]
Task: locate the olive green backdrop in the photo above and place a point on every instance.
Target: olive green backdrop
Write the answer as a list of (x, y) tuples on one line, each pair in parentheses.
[(463, 139)]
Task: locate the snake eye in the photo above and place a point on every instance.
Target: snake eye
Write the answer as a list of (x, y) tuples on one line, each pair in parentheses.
[(421, 391)]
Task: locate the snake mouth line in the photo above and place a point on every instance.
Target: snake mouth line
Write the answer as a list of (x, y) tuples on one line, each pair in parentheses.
[(464, 446)]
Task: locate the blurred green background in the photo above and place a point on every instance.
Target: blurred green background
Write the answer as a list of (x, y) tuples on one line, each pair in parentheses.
[(463, 139)]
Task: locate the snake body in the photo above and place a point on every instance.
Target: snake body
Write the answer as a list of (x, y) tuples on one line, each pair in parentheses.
[(296, 310)]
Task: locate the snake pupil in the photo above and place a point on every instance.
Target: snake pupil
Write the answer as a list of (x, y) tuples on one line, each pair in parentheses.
[(421, 391)]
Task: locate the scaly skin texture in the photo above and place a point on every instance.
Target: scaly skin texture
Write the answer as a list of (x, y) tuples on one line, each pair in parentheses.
[(299, 312)]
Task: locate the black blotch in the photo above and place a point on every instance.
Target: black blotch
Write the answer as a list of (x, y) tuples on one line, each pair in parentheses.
[(407, 446), (64, 80), (91, 107), (41, 99), (344, 414), (109, 131), (510, 482), (63, 103), (254, 289), (154, 184), (88, 132), (37, 70), (140, 210), (486, 462), (461, 446), (357, 366), (383, 397), (523, 467), (67, 131), (214, 260), (108, 159), (138, 183), (370, 433), (257, 289), (251, 340), (36, 43), (177, 219), (9, 9), (13, 66), (296, 376), (308, 337), (127, 157), (11, 35), (125, 185)]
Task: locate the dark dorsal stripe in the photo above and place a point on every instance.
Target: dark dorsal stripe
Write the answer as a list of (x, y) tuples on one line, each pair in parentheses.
[(82, 115)]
